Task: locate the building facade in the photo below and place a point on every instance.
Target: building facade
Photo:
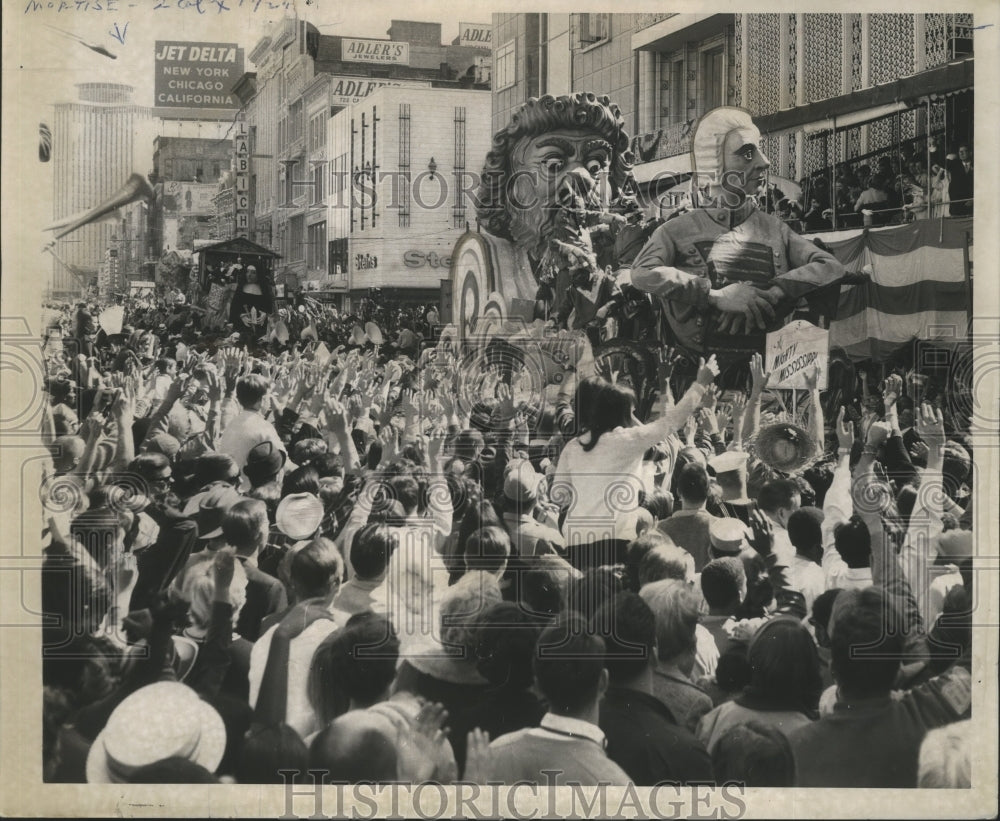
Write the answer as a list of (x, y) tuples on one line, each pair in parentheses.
[(303, 78), (404, 167), (824, 88), (97, 143), (186, 176)]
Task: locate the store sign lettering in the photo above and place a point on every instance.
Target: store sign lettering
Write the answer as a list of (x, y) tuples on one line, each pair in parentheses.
[(365, 262), (418, 259)]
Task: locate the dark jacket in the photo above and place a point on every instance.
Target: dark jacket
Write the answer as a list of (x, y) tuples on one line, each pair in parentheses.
[(646, 741), (265, 595)]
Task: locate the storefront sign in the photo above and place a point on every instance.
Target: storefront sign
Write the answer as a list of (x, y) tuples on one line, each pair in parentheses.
[(375, 51), (365, 262), (418, 259), (352, 90), (478, 35), (241, 168), (793, 352)]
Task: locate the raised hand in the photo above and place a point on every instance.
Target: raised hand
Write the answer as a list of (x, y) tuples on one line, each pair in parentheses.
[(812, 378), (723, 416), (930, 426), (417, 751), (709, 423), (478, 758), (690, 430), (223, 569), (893, 389), (707, 371), (877, 434), (711, 398), (845, 430), (759, 376)]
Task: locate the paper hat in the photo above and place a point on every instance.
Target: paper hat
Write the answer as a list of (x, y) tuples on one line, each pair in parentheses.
[(299, 515)]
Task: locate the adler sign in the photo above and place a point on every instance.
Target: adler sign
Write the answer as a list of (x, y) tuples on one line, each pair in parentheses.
[(477, 35), (375, 51)]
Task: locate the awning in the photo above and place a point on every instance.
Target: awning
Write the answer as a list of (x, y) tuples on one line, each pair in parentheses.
[(943, 79)]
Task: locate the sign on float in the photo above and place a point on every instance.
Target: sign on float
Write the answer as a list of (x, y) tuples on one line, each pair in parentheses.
[(791, 353)]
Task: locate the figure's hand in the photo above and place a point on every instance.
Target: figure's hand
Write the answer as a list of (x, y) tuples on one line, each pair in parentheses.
[(742, 299)]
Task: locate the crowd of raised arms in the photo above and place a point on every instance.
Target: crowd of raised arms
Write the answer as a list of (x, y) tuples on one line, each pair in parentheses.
[(382, 562)]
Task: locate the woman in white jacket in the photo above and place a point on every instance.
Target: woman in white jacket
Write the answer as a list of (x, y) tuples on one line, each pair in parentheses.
[(598, 476)]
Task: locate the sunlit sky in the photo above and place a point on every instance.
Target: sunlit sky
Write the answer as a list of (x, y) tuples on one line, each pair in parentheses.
[(43, 65)]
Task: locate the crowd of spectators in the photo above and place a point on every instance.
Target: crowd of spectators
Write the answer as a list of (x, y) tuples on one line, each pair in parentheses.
[(390, 561), (887, 188)]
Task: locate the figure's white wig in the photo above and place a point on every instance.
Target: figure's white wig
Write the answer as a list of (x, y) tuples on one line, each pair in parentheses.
[(709, 140)]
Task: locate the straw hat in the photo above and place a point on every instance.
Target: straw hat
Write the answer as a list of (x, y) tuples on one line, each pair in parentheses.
[(162, 720), (785, 447)]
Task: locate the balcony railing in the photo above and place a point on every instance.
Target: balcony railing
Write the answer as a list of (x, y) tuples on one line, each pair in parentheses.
[(668, 141)]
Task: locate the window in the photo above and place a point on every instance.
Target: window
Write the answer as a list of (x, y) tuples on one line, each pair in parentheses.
[(678, 96), (289, 170), (317, 132), (294, 239), (295, 122), (404, 165), (316, 247), (714, 79), (458, 210), (593, 29), (318, 187), (338, 257), (505, 74)]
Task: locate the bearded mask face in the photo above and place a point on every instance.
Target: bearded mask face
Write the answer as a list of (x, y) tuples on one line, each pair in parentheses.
[(551, 174)]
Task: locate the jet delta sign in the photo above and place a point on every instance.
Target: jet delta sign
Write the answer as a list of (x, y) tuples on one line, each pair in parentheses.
[(195, 80)]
